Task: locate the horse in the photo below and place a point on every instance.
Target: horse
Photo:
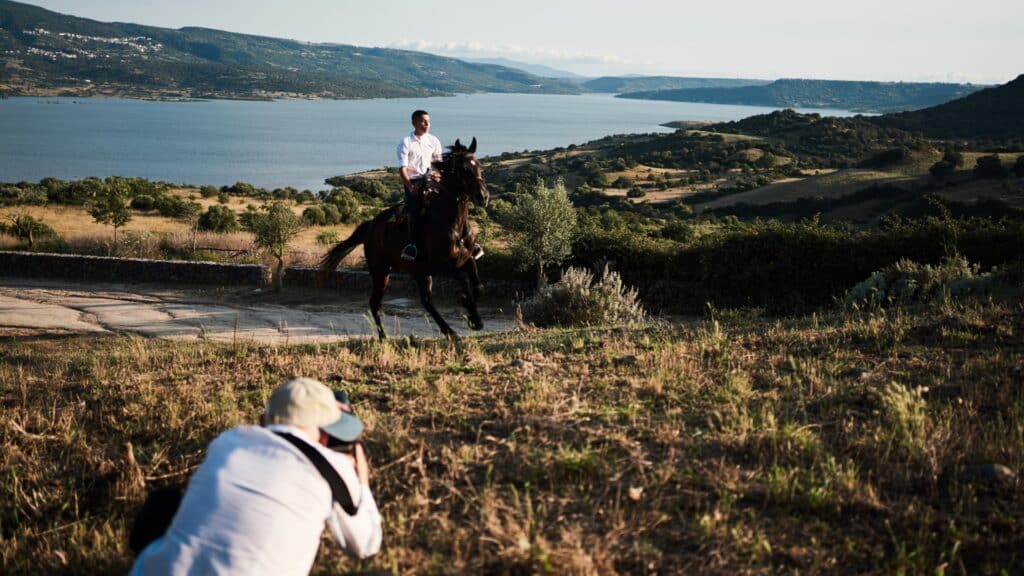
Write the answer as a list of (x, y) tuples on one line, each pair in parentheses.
[(443, 244)]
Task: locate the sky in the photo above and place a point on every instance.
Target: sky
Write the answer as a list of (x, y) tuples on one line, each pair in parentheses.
[(887, 40)]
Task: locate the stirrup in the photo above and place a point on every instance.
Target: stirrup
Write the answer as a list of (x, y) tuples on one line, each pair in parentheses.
[(409, 252), (477, 252)]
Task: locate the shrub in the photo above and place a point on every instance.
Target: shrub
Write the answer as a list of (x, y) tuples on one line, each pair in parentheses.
[(635, 193), (22, 196), (941, 169), (219, 219), (332, 215), (578, 299), (142, 202), (953, 157), (623, 182), (313, 216), (171, 206), (208, 191), (327, 238), (345, 201), (907, 282), (989, 167)]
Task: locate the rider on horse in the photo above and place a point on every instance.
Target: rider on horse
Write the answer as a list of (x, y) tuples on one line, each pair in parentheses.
[(416, 154)]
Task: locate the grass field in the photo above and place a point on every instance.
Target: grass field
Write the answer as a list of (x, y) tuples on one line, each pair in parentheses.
[(81, 233), (888, 442)]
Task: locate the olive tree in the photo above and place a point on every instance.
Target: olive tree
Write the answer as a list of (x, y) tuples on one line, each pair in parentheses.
[(111, 205), (274, 228), (543, 225), (24, 226)]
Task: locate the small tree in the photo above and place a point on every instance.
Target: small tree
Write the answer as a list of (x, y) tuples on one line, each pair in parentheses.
[(24, 226), (111, 205), (543, 226), (190, 214), (274, 228)]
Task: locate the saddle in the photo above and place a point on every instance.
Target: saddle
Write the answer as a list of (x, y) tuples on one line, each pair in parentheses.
[(425, 186)]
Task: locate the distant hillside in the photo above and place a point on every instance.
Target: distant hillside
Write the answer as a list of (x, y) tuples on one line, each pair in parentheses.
[(840, 94), (620, 84), (817, 136), (535, 69), (43, 52), (994, 113)]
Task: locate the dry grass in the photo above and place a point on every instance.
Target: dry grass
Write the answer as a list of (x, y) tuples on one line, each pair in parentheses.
[(144, 235), (830, 185), (734, 446)]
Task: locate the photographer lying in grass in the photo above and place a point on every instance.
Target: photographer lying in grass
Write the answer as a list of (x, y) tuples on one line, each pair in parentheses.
[(259, 502)]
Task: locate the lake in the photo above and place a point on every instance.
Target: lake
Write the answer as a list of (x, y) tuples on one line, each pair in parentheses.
[(301, 142)]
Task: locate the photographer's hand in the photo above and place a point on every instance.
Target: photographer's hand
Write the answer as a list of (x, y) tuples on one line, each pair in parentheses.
[(362, 465)]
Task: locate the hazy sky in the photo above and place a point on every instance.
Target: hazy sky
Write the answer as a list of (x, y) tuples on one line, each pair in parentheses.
[(941, 40)]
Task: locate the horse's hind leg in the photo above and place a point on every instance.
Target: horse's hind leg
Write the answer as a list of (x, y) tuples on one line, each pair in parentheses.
[(380, 283), (424, 283)]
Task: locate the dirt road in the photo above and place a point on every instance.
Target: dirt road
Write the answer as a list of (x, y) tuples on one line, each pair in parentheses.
[(225, 314)]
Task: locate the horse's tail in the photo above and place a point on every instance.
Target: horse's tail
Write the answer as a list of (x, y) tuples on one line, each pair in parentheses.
[(342, 249)]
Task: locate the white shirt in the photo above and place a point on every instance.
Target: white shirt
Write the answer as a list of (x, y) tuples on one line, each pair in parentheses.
[(416, 154), (257, 506)]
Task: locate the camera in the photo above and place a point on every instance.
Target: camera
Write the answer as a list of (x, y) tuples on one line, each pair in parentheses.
[(341, 446)]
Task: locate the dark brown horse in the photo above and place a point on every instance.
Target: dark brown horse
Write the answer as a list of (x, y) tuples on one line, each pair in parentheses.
[(443, 242)]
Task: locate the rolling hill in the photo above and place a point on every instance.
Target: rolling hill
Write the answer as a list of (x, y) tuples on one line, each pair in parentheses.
[(625, 84), (841, 94), (43, 52), (994, 113)]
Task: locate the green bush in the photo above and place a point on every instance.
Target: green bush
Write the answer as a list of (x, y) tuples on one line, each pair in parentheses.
[(327, 238), (208, 191), (171, 206), (142, 202), (989, 167), (29, 195), (313, 216), (578, 299), (218, 218), (907, 282)]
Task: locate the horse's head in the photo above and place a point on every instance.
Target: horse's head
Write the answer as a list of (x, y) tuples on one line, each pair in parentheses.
[(461, 172)]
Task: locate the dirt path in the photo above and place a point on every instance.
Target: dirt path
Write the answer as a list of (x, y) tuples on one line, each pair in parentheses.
[(226, 315)]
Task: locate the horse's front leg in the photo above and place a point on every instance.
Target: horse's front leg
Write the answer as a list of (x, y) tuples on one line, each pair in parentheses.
[(380, 283), (425, 283), (471, 292)]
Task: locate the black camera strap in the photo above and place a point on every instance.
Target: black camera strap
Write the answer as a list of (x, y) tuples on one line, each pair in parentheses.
[(339, 491)]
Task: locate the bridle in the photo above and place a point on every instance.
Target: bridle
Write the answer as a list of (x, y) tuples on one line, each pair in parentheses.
[(450, 175)]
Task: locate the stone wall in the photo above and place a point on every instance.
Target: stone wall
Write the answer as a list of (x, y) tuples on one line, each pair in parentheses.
[(135, 270)]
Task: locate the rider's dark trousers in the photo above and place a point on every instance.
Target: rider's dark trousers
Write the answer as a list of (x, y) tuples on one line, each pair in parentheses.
[(413, 205)]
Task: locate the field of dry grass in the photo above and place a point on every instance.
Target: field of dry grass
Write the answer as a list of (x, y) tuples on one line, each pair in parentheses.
[(886, 442), (143, 235)]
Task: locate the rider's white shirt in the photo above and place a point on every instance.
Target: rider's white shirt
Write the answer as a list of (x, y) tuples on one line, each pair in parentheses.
[(416, 154)]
